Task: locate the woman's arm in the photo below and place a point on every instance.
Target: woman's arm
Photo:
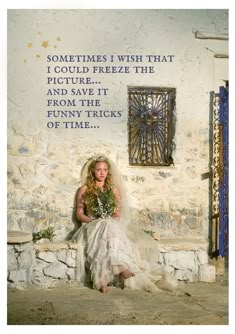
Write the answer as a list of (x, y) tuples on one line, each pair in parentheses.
[(117, 195), (80, 211)]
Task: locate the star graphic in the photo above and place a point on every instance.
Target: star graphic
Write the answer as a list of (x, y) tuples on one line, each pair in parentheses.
[(30, 45), (45, 44)]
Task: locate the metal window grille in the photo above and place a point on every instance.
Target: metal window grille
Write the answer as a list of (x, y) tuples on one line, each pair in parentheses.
[(151, 126)]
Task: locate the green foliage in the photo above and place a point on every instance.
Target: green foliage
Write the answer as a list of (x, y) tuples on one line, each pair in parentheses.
[(47, 233), (102, 203), (150, 232)]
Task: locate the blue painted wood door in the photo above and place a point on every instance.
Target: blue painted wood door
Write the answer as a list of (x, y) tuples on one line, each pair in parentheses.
[(224, 172)]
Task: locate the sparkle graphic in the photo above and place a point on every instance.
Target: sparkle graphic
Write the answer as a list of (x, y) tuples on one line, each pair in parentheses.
[(45, 44), (37, 44)]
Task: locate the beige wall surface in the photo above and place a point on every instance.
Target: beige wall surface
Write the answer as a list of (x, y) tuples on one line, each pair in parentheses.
[(44, 162)]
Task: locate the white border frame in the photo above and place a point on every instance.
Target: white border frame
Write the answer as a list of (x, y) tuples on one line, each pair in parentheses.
[(121, 4)]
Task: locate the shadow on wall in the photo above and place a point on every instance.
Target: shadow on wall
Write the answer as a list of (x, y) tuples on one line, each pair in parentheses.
[(76, 222)]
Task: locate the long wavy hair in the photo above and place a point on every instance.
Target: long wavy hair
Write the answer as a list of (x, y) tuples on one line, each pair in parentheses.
[(91, 179)]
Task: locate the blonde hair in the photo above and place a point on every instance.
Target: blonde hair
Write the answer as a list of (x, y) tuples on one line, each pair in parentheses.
[(91, 180)]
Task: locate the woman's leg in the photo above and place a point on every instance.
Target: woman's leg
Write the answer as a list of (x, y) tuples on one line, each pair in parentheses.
[(105, 289), (104, 284), (126, 274)]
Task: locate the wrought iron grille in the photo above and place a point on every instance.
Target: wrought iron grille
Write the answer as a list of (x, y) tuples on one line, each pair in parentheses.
[(215, 161), (151, 126)]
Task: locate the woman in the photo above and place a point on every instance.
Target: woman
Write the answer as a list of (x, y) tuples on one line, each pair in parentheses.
[(109, 250)]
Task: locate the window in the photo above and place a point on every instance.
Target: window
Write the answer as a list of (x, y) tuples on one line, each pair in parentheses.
[(151, 126)]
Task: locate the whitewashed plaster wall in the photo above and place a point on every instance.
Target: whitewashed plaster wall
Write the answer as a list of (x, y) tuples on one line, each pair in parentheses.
[(44, 164)]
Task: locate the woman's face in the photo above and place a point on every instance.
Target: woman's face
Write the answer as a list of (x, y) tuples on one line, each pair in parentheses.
[(101, 171)]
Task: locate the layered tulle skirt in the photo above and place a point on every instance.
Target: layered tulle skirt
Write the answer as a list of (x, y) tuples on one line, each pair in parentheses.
[(106, 248)]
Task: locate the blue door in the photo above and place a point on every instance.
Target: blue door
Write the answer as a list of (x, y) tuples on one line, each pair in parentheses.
[(223, 172)]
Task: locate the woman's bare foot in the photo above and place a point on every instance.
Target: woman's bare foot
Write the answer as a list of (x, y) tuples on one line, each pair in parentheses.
[(104, 289), (126, 274)]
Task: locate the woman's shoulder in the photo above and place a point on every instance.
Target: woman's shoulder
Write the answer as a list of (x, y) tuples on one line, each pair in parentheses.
[(115, 190), (82, 189)]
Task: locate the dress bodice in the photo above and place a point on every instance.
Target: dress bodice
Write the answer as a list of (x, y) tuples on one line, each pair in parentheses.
[(100, 204)]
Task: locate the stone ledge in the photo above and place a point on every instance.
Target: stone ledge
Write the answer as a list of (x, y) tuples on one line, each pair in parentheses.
[(165, 245), (182, 244), (54, 246), (18, 237)]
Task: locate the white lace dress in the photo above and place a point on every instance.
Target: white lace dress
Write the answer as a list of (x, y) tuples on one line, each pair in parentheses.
[(106, 247)]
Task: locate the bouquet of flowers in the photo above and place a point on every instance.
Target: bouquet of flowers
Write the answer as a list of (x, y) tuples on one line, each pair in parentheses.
[(102, 203)]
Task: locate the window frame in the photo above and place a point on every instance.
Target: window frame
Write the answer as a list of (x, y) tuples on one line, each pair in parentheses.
[(133, 117)]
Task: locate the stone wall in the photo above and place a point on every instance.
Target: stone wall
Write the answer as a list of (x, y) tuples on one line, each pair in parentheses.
[(20, 259), (44, 164), (46, 264)]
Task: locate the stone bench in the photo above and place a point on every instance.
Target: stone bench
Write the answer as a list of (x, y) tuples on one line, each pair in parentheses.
[(187, 259), (47, 263), (20, 259)]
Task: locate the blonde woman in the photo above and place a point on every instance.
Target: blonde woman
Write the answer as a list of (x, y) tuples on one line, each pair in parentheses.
[(110, 250)]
